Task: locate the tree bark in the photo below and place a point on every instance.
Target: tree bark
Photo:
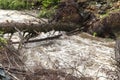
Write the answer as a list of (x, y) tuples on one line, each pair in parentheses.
[(8, 27)]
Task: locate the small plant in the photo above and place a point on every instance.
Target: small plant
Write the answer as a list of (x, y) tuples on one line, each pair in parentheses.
[(94, 34), (2, 40), (49, 3)]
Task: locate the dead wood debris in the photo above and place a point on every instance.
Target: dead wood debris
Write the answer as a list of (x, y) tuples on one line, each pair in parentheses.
[(14, 68), (69, 17)]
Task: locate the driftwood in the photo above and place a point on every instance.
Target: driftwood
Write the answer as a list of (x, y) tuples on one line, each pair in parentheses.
[(38, 40)]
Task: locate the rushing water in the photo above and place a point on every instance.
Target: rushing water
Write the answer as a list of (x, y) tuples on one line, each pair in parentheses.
[(76, 54), (79, 54)]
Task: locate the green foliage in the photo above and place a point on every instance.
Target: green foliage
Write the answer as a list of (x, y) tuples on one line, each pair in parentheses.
[(48, 8), (4, 3), (47, 13), (104, 15), (26, 4), (49, 3), (13, 4), (16, 4), (108, 12), (2, 40), (94, 34)]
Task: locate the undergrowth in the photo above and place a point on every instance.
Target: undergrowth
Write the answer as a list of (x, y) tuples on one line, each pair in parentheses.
[(107, 14), (13, 4), (47, 13), (48, 8)]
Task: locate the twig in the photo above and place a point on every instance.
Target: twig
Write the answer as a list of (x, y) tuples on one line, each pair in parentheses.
[(38, 40), (8, 59), (73, 67), (49, 38), (22, 39), (16, 54), (13, 76)]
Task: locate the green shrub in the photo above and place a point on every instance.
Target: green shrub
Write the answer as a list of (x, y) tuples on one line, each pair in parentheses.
[(26, 4), (48, 8), (47, 13), (13, 4), (16, 4), (49, 3)]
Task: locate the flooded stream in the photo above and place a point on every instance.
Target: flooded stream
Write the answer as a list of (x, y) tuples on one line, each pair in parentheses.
[(80, 54), (73, 54)]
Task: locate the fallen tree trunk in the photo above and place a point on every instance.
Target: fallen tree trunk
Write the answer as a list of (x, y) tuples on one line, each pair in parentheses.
[(7, 27), (102, 28)]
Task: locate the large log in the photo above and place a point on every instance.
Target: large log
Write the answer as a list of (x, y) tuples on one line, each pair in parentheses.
[(9, 27), (103, 27)]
